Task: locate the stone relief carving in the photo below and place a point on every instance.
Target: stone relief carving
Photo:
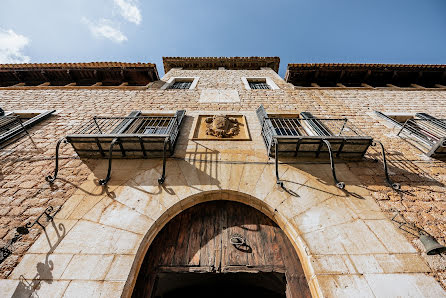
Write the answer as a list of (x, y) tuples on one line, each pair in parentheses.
[(222, 126)]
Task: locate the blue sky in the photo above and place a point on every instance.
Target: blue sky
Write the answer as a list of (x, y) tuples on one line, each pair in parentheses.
[(296, 31)]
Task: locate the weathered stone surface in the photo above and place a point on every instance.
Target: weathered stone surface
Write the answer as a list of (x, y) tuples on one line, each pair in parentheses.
[(342, 237)]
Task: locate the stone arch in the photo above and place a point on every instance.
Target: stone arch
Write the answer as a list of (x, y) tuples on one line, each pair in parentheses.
[(229, 195)]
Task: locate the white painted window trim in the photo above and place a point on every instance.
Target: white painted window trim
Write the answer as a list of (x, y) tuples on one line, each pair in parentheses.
[(172, 80), (268, 81)]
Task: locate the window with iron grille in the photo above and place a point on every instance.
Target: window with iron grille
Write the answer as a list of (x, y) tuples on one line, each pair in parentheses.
[(286, 125), (258, 85), (14, 123), (180, 85), (423, 128)]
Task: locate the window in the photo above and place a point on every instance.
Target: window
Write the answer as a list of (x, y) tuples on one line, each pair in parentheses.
[(151, 124), (286, 125), (258, 85), (17, 122), (262, 83), (425, 130), (177, 83), (180, 85)]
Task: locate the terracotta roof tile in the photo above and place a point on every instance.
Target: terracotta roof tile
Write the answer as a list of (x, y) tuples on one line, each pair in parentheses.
[(76, 65), (207, 62), (363, 65)]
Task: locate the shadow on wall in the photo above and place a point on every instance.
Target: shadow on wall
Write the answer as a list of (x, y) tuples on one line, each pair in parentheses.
[(28, 288), (203, 167), (367, 172)]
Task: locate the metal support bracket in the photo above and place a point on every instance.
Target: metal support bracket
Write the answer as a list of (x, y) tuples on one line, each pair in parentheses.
[(163, 175), (276, 157), (339, 184), (110, 157), (395, 186), (50, 178)]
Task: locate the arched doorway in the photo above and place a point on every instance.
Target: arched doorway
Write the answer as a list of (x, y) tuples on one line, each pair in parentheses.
[(221, 249)]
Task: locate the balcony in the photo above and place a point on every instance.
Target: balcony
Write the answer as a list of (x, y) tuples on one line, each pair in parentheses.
[(304, 135), (13, 124), (134, 136), (429, 131)]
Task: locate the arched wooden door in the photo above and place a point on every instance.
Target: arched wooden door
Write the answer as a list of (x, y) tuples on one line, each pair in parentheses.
[(193, 256)]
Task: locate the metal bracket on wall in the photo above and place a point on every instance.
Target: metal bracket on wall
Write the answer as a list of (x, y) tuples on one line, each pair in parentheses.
[(339, 184), (163, 175), (395, 186), (276, 159), (110, 158), (50, 178)]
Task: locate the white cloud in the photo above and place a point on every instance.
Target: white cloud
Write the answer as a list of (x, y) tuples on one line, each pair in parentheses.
[(129, 11), (11, 46), (105, 28)]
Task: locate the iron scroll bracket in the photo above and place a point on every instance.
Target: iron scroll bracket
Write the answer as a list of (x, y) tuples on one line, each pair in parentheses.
[(394, 185), (163, 175), (339, 184), (50, 178), (110, 158), (276, 159)]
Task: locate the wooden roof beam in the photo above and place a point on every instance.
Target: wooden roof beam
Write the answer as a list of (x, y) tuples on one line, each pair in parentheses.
[(366, 85)]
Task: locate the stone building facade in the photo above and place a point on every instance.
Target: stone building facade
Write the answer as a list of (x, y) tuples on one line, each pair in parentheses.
[(347, 243)]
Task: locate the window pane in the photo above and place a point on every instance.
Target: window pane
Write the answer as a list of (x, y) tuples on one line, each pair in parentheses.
[(258, 85), (180, 85)]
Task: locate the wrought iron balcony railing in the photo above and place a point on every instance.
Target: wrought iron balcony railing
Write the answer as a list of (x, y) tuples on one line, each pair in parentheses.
[(12, 124), (306, 135), (429, 130), (133, 136)]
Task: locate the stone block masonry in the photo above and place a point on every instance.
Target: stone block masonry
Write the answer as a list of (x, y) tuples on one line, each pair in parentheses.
[(328, 225)]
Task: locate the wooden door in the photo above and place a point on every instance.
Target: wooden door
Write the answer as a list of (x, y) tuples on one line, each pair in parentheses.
[(198, 240)]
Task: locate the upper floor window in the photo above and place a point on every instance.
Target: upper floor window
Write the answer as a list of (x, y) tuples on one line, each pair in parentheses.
[(180, 85), (427, 132), (261, 83), (258, 85), (14, 123), (176, 83)]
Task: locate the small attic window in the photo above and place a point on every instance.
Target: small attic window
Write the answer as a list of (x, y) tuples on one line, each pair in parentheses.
[(177, 83), (180, 85), (258, 85), (262, 83)]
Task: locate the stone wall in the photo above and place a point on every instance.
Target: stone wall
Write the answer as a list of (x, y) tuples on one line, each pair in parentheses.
[(24, 193)]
